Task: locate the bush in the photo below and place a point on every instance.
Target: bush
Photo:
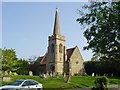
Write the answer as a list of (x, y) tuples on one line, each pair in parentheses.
[(101, 83)]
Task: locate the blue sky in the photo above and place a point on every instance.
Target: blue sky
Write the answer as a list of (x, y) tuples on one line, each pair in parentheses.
[(0, 24), (27, 25)]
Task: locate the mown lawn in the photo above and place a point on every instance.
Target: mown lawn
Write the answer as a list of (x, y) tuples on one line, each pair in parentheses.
[(75, 81)]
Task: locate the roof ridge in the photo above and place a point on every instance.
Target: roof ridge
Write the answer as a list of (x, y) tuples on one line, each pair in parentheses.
[(43, 58)]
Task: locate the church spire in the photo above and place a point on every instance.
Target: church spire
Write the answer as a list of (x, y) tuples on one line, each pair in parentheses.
[(56, 24)]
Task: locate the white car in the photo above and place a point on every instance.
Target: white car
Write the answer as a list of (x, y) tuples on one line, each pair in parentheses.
[(23, 85)]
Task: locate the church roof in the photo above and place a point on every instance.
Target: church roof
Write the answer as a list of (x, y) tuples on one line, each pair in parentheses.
[(39, 59), (70, 52), (44, 59), (56, 24)]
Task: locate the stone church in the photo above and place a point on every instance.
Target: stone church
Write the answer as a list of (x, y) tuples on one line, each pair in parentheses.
[(58, 59)]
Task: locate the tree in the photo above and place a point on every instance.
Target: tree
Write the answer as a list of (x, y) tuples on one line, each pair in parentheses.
[(103, 67), (102, 30), (93, 67), (32, 59), (9, 60), (23, 67)]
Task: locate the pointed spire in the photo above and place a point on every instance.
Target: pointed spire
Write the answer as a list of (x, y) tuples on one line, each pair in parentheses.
[(56, 24)]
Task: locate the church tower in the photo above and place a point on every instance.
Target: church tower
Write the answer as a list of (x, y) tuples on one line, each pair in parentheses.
[(56, 50)]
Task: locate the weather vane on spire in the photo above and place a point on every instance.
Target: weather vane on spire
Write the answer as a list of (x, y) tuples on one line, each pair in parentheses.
[(57, 9)]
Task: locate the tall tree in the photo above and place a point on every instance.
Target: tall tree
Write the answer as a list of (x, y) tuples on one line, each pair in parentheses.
[(9, 60), (102, 29)]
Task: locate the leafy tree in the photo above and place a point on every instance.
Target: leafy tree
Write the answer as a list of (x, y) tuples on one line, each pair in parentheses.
[(101, 83), (23, 67), (9, 60), (107, 68), (93, 67), (32, 59), (102, 29)]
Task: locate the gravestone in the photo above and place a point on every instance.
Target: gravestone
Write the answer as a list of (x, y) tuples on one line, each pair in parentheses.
[(92, 74), (6, 73), (30, 73), (15, 73), (10, 73), (6, 79), (44, 76)]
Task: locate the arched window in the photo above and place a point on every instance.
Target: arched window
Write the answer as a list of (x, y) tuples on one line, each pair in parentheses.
[(60, 48), (52, 48)]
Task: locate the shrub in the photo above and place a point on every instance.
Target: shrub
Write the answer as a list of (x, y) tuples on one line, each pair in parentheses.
[(101, 83)]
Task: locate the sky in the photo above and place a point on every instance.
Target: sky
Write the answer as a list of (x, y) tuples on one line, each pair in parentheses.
[(26, 27), (0, 24)]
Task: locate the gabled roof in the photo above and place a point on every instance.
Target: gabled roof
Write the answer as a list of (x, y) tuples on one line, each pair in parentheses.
[(39, 59), (44, 60), (70, 52)]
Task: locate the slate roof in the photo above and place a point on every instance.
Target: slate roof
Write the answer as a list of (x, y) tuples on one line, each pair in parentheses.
[(70, 52), (39, 59), (44, 59)]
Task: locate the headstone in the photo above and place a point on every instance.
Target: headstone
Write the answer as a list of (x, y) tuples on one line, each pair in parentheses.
[(92, 74), (85, 74), (112, 75), (64, 75), (15, 73), (10, 73), (47, 74), (44, 76), (50, 74), (6, 79), (30, 73)]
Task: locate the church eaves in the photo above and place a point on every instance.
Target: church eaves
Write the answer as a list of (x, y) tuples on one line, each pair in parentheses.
[(56, 24)]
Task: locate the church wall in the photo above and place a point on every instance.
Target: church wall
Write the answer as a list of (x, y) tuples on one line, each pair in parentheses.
[(50, 57), (76, 62), (60, 55), (42, 69), (56, 58)]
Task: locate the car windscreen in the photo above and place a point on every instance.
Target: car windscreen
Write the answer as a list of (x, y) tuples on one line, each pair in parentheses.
[(17, 83)]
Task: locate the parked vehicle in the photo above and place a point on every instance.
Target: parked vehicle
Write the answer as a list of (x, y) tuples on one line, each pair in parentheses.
[(23, 85)]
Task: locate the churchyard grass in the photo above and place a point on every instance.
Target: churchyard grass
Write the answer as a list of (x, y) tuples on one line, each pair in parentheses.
[(58, 82)]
